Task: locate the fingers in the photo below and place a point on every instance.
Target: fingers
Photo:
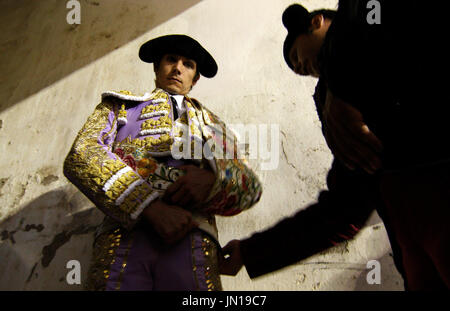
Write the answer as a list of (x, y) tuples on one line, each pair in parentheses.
[(338, 153), (173, 188), (340, 147), (352, 144), (355, 154), (181, 230), (360, 132), (176, 236), (186, 200), (229, 248), (178, 193), (364, 156), (171, 222), (349, 137), (232, 262), (369, 137), (191, 188), (182, 197), (186, 167)]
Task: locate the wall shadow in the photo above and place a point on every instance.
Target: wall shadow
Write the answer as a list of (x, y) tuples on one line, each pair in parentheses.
[(38, 47), (39, 240)]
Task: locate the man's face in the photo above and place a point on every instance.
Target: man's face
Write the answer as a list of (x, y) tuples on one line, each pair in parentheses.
[(306, 47), (176, 74)]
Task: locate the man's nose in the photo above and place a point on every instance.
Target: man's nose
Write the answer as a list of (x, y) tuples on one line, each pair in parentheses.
[(178, 66)]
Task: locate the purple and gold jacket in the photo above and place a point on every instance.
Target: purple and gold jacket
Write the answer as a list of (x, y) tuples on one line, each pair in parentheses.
[(128, 151)]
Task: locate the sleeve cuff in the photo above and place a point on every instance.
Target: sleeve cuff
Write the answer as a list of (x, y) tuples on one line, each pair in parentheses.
[(129, 192)]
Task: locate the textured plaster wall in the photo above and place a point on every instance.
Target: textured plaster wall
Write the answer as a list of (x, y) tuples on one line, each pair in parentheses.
[(51, 78)]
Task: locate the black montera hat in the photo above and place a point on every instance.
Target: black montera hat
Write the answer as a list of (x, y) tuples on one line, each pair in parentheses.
[(297, 20), (183, 45)]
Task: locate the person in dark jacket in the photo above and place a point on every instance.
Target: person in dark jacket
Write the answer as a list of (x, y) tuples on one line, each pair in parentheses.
[(364, 111)]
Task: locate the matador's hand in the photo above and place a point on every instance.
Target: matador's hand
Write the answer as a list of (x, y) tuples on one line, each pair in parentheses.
[(192, 188), (348, 137), (172, 223)]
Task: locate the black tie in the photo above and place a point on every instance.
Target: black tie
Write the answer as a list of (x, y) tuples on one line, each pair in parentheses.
[(174, 107)]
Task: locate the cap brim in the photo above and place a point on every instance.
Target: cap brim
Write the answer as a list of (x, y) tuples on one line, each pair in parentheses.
[(287, 45), (296, 19)]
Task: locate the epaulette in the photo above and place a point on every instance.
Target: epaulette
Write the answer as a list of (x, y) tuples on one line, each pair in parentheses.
[(127, 95)]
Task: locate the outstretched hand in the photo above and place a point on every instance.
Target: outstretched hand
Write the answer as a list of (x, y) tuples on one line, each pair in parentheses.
[(231, 264), (348, 137)]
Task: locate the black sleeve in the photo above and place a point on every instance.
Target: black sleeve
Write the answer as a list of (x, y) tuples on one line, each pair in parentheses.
[(337, 216)]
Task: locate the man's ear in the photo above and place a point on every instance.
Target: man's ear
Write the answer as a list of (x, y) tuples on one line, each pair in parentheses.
[(317, 22), (196, 78), (155, 68)]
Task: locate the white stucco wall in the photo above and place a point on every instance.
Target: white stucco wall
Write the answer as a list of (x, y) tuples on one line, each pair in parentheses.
[(51, 78)]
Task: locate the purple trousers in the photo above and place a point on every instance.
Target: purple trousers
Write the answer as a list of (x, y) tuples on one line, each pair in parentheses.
[(140, 260)]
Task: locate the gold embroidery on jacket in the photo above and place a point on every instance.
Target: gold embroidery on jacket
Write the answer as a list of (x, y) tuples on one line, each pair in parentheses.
[(160, 126), (155, 110), (121, 185), (89, 167), (102, 259)]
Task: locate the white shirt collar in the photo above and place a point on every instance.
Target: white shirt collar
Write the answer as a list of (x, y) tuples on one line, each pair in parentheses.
[(179, 103), (178, 100)]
